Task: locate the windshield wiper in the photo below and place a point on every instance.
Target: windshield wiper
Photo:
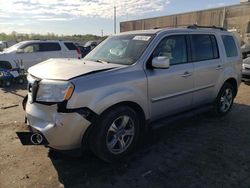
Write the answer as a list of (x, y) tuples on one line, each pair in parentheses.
[(101, 61)]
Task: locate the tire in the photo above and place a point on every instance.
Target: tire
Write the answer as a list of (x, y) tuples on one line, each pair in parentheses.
[(21, 81), (7, 83), (115, 134), (224, 100)]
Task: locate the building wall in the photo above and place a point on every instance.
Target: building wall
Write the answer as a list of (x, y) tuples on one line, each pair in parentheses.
[(236, 18)]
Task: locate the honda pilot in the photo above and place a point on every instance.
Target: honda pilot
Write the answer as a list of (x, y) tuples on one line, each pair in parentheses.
[(107, 99)]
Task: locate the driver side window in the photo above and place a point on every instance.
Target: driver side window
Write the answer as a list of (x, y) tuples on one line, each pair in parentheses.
[(173, 47), (30, 48)]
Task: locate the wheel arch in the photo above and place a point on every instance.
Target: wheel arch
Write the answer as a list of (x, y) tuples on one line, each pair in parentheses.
[(233, 82), (135, 106)]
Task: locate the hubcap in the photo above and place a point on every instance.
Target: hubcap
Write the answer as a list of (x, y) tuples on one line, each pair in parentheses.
[(7, 83), (226, 100), (120, 134)]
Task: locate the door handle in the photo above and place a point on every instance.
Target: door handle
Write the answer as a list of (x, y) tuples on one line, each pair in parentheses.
[(186, 74), (219, 67)]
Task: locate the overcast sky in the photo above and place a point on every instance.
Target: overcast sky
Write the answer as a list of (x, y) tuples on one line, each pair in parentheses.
[(88, 16)]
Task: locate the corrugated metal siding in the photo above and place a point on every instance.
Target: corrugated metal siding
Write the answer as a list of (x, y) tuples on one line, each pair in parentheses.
[(231, 17)]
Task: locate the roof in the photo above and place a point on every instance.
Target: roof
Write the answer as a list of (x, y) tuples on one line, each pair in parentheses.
[(38, 40), (140, 32), (155, 31)]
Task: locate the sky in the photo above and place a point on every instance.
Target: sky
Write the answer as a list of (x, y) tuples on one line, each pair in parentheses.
[(69, 17)]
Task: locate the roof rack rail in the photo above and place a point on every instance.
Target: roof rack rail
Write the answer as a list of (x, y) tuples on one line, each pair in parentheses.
[(195, 26)]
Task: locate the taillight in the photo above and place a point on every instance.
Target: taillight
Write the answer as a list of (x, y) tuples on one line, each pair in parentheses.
[(79, 53)]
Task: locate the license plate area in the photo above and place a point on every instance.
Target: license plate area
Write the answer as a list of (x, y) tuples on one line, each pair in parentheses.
[(32, 138)]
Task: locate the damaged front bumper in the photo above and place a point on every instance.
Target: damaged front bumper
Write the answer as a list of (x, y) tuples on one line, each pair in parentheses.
[(54, 127)]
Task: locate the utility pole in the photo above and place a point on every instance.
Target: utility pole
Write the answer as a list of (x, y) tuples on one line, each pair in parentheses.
[(102, 32), (114, 19)]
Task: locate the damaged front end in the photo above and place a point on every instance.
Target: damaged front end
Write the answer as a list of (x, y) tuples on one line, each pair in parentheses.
[(51, 123)]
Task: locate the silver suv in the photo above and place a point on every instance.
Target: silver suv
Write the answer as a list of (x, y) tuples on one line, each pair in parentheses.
[(106, 100)]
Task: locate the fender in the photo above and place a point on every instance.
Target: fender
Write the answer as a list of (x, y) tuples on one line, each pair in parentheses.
[(106, 100), (98, 102)]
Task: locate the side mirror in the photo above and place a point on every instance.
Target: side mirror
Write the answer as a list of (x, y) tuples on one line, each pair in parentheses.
[(161, 62), (19, 51)]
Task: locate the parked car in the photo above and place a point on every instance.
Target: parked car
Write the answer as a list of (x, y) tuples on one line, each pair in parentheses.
[(246, 70), (82, 50), (245, 49), (3, 45), (88, 46), (36, 51), (106, 100)]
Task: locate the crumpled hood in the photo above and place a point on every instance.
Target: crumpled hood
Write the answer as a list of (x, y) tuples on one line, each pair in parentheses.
[(65, 69)]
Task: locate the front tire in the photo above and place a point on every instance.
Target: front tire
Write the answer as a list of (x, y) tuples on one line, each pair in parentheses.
[(7, 83), (224, 100), (115, 134)]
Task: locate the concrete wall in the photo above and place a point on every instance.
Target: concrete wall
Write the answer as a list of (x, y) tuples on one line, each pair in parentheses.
[(235, 18)]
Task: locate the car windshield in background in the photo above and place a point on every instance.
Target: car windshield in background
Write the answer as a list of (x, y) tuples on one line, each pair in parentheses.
[(14, 47), (124, 49)]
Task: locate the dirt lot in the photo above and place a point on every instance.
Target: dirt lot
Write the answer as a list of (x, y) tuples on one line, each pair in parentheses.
[(201, 151)]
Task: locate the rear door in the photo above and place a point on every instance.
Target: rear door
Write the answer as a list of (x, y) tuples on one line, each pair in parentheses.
[(170, 90), (208, 66), (50, 50)]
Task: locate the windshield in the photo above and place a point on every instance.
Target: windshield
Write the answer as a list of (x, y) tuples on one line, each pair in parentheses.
[(124, 49), (14, 47)]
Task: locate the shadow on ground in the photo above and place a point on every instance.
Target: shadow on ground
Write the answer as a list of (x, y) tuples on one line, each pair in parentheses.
[(200, 151), (14, 89)]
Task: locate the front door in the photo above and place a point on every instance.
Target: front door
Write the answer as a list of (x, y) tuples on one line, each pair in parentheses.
[(170, 90), (30, 55)]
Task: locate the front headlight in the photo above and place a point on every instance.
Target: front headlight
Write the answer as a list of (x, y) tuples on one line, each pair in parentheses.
[(54, 91)]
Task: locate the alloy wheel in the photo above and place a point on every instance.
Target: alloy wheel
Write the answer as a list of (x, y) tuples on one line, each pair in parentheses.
[(226, 100), (120, 134)]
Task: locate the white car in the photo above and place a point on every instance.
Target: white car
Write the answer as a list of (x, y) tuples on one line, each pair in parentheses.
[(3, 45), (246, 70), (28, 53)]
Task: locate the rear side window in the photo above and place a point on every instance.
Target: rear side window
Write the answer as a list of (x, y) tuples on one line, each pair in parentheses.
[(230, 46), (49, 46), (70, 46), (204, 47)]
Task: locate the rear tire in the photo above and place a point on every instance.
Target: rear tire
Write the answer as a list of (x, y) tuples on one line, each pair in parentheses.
[(21, 81), (115, 134), (224, 100)]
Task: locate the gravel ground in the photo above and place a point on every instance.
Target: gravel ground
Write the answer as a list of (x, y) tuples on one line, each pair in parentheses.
[(201, 151)]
